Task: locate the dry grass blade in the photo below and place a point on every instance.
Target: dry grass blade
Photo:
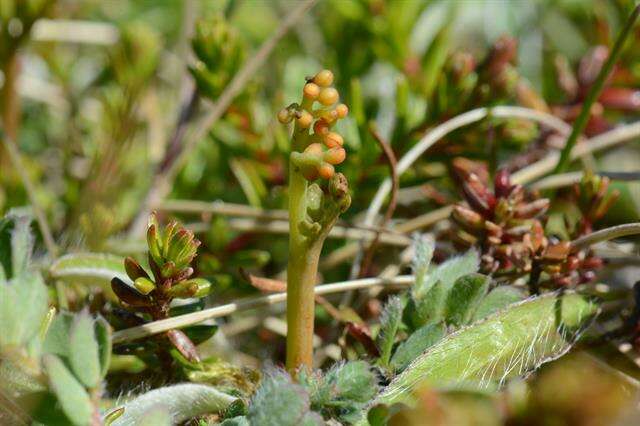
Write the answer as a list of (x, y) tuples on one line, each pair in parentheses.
[(606, 235), (181, 321)]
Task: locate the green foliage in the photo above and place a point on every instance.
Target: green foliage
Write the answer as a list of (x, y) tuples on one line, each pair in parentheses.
[(89, 268), (84, 351), (181, 402), (464, 297), (507, 344), (390, 323), (498, 299), (73, 398), (419, 341)]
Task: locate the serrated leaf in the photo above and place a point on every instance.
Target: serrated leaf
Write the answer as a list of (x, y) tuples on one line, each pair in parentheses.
[(507, 344), (84, 351), (73, 398), (23, 307), (464, 297), (103, 336), (497, 299), (419, 341), (390, 323), (183, 401), (448, 272), (90, 268)]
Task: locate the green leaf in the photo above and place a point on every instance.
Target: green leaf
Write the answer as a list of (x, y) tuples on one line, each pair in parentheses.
[(430, 308), (183, 401), (448, 272), (90, 268), (156, 416), (352, 381), (278, 401), (23, 307), (56, 340), (200, 333), (103, 336), (423, 247), (13, 377), (73, 398), (419, 341), (21, 243), (507, 344), (390, 323), (84, 351), (464, 297), (499, 298)]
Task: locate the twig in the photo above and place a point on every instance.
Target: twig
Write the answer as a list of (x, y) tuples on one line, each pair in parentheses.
[(181, 321), (391, 207), (605, 235), (594, 91), (597, 143), (18, 165), (162, 182)]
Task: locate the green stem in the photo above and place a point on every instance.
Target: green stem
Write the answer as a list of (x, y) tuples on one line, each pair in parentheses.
[(594, 93), (301, 277)]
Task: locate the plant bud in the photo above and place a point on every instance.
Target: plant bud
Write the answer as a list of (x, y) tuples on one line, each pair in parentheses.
[(183, 290), (333, 140), (324, 78), (284, 116), (304, 119), (328, 96), (335, 155), (144, 285), (326, 171), (321, 127), (342, 110), (310, 173), (311, 91), (314, 149)]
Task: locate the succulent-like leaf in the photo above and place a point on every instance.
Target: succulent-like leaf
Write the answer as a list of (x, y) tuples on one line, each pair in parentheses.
[(419, 341), (134, 270), (390, 323), (200, 333), (464, 297), (497, 299), (184, 345), (84, 355), (73, 398), (506, 344), (182, 401), (128, 293)]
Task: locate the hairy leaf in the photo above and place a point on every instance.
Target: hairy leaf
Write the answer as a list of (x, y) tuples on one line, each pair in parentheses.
[(73, 398), (182, 401), (507, 344), (278, 401), (420, 340), (23, 307), (390, 323), (497, 299), (423, 247), (56, 340), (463, 298), (448, 272), (90, 268), (84, 351), (103, 336)]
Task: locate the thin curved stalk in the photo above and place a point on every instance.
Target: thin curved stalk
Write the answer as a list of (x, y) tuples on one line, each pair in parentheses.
[(606, 235)]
